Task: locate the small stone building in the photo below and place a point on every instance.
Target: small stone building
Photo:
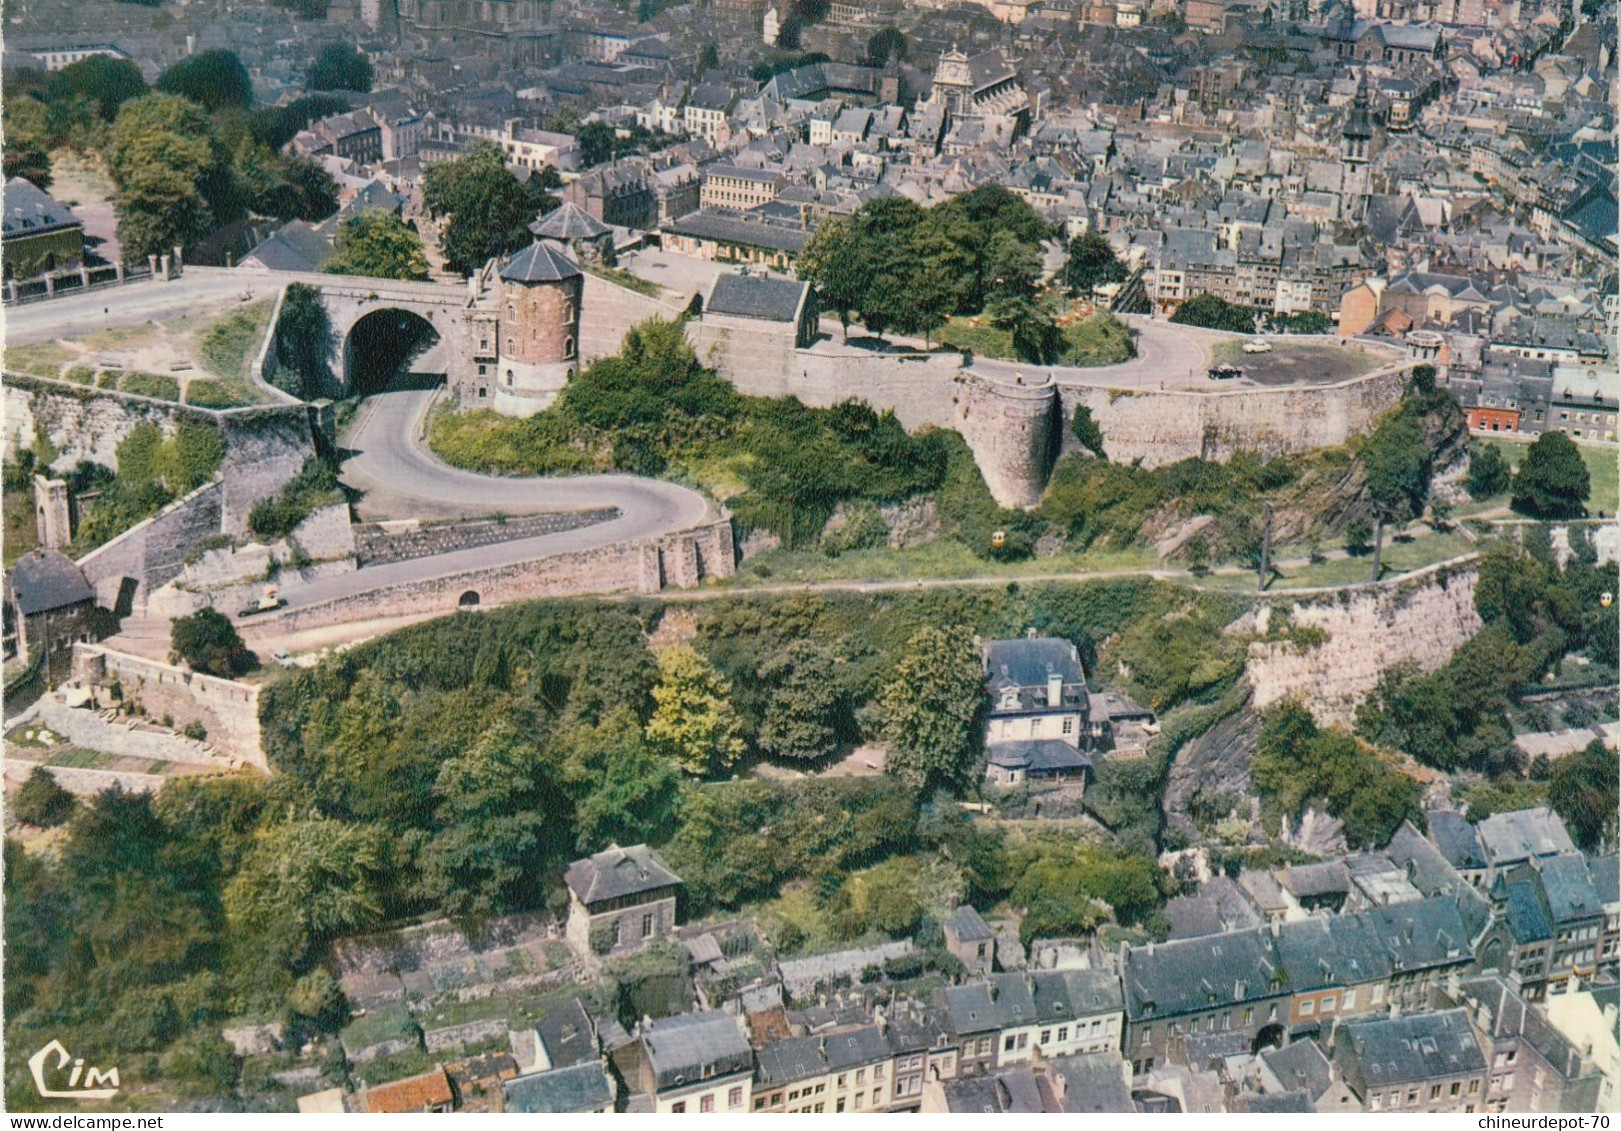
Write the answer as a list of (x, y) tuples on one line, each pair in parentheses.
[(49, 606), (971, 940), (619, 900), (41, 235)]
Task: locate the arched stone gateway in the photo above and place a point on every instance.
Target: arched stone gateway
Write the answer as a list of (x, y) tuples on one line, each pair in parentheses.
[(468, 600), (369, 318), (381, 344)]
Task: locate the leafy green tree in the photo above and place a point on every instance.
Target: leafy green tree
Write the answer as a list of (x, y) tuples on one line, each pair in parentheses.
[(215, 80), (378, 245), (1397, 464), (799, 721), (694, 722), (885, 44), (1489, 472), (623, 791), (596, 142), (932, 706), (1214, 313), (1013, 267), (494, 806), (276, 126), (708, 57), (1509, 591), (303, 334), (835, 263), (1035, 336), (27, 149), (1553, 480), (308, 881), (174, 177), (42, 801), (1091, 263), (1583, 792), (209, 642), (101, 81), (340, 67), (1086, 430), (1359, 535), (489, 211)]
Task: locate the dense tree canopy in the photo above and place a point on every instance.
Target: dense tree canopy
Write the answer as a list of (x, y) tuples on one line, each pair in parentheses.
[(100, 83), (932, 707), (1553, 480), (340, 67), (1214, 313), (900, 267), (378, 245), (208, 641), (1489, 471), (1091, 263), (1583, 791), (1296, 764), (216, 80), (173, 174), (694, 723), (488, 210)]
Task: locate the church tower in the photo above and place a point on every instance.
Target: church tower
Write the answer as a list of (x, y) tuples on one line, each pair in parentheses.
[(1359, 141), (538, 344)]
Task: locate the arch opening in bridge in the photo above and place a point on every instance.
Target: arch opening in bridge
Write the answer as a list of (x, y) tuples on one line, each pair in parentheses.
[(382, 350), (468, 600)]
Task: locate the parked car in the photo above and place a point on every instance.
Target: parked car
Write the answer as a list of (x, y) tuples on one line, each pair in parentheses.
[(1259, 345)]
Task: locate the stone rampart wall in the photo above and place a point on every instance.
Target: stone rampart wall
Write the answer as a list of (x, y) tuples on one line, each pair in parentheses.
[(86, 728), (1161, 427), (87, 782), (1421, 618), (226, 709), (678, 560), (153, 552)]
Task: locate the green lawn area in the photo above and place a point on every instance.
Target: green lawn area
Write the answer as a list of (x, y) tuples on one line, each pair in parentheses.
[(1601, 468), (1099, 340), (625, 279), (1426, 548), (163, 388), (205, 393), (226, 347), (943, 558), (79, 758), (42, 359)]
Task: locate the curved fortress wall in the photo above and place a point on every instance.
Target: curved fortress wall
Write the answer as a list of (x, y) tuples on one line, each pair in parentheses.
[(1017, 430), (1160, 427), (1010, 427)]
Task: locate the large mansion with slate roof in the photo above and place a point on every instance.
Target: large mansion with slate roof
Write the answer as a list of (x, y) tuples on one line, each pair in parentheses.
[(1039, 724)]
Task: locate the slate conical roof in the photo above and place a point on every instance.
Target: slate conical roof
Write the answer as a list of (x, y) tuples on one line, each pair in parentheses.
[(539, 263), (569, 222)]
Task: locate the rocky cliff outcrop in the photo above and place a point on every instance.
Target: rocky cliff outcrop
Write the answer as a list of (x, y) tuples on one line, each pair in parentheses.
[(1421, 618)]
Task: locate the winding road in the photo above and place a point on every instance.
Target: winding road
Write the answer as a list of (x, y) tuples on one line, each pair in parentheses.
[(387, 460)]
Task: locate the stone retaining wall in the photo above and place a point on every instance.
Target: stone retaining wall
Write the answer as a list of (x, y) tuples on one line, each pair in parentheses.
[(459, 1036), (153, 552), (87, 782), (376, 543), (681, 560), (226, 709), (84, 727)]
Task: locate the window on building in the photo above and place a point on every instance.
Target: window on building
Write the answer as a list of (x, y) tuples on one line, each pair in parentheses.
[(678, 1107), (877, 1072), (1007, 1045), (1308, 1007), (647, 926), (1063, 1033)]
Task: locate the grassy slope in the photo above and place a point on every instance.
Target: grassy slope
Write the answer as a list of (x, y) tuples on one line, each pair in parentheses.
[(1601, 466)]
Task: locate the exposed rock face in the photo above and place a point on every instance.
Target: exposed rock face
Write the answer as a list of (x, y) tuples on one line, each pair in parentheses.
[(1217, 761), (1422, 619)]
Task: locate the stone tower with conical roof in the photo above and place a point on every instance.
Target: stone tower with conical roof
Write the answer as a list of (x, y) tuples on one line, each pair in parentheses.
[(538, 344)]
